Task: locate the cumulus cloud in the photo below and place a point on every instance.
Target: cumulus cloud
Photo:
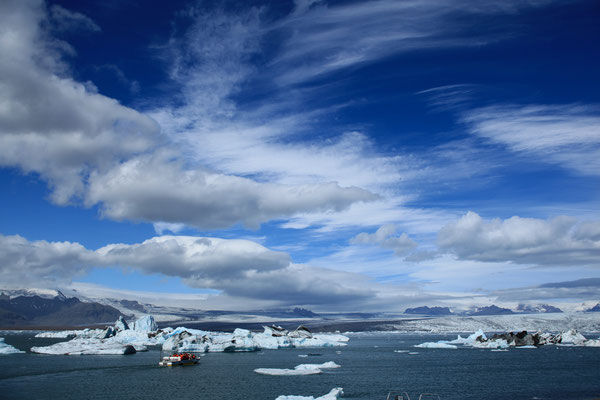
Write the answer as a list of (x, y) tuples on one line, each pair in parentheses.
[(93, 150), (557, 241), (40, 262), (49, 123), (235, 267), (386, 237), (154, 189), (564, 134)]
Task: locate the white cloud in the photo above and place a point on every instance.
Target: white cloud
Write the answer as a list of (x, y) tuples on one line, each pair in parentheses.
[(328, 38), (64, 20), (559, 241), (236, 267), (23, 263), (157, 189), (386, 237), (51, 124), (90, 148), (565, 134)]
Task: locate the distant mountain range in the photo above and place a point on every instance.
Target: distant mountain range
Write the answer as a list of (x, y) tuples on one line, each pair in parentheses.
[(490, 310), (596, 308), (30, 311), (28, 308), (424, 310)]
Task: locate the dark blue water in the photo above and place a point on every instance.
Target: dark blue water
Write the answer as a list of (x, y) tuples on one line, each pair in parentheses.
[(370, 368)]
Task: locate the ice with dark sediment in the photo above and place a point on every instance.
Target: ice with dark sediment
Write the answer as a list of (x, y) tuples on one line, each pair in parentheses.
[(521, 339)]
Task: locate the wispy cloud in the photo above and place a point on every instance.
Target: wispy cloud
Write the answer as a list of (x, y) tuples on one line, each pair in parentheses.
[(94, 151), (565, 134)]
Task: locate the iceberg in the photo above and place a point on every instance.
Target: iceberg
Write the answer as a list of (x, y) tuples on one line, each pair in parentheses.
[(436, 345), (334, 394), (8, 349), (144, 332), (144, 324), (80, 346), (572, 336), (302, 369), (243, 340)]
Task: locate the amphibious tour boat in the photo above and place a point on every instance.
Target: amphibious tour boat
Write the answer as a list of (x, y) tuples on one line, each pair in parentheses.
[(178, 359)]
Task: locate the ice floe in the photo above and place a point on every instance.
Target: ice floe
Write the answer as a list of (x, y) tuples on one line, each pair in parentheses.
[(80, 346), (521, 339), (334, 394), (436, 345), (302, 369), (7, 348)]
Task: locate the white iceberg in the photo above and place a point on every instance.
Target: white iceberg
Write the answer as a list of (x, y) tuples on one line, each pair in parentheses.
[(69, 334), (144, 332), (334, 394), (572, 336), (436, 345), (80, 346), (8, 349), (144, 324), (302, 369), (479, 335), (182, 339)]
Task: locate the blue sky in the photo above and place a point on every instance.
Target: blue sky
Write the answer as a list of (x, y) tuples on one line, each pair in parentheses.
[(337, 155)]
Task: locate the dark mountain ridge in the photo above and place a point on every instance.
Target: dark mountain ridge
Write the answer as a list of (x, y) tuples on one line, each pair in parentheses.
[(34, 310)]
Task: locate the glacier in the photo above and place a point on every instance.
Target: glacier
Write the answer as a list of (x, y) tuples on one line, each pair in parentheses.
[(8, 349)]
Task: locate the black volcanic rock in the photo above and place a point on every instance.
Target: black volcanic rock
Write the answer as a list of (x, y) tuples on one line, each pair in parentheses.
[(58, 311), (491, 310), (424, 310)]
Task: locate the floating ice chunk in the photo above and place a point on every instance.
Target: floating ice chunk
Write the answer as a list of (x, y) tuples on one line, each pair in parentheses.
[(244, 340), (7, 348), (334, 394), (121, 324), (492, 344), (572, 336), (303, 355), (436, 345), (325, 365), (413, 352), (401, 351), (470, 339), (525, 347), (499, 350), (302, 369), (145, 324), (592, 343), (88, 346), (287, 372), (89, 333)]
